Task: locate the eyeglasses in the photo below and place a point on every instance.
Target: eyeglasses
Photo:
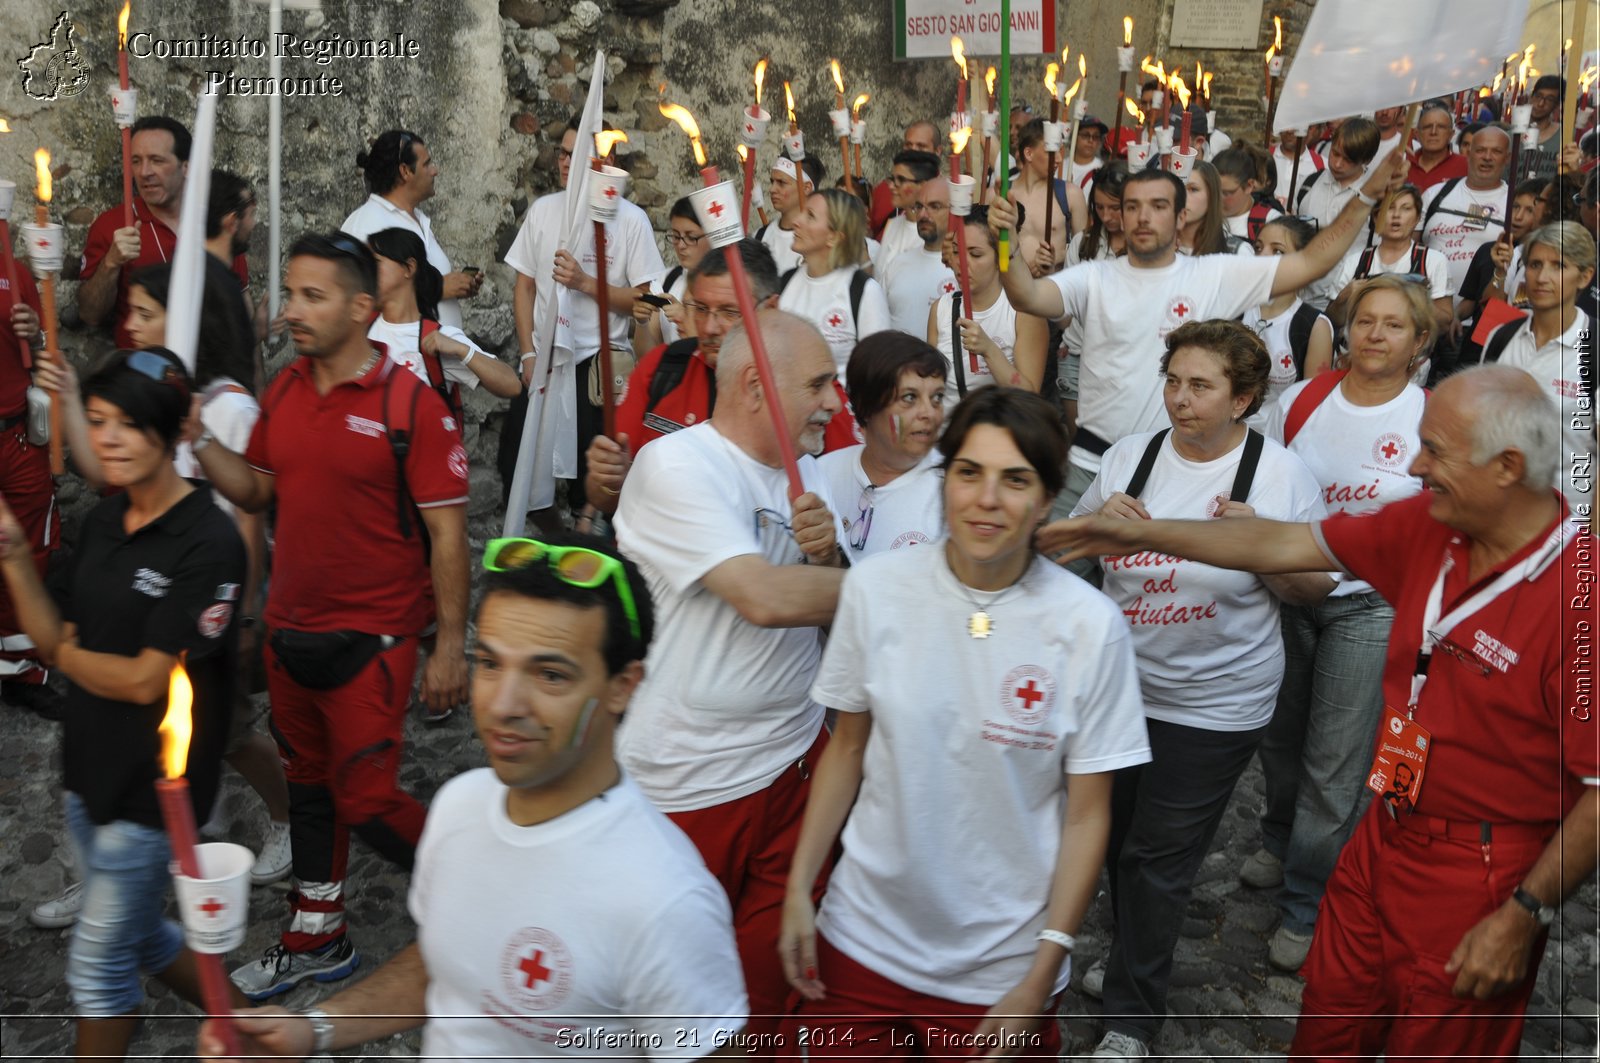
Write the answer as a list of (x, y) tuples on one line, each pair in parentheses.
[(901, 182), (1464, 656), (861, 527), (724, 314), (1546, 97), (578, 566), (563, 153), (677, 239), (152, 365)]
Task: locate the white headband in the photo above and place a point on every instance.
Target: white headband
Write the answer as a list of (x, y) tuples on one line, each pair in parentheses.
[(787, 168)]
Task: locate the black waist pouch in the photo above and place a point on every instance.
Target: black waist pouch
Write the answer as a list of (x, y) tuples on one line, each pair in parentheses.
[(324, 660)]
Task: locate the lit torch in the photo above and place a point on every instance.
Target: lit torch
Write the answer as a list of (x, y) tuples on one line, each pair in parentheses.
[(958, 144), (605, 142), (1124, 67), (841, 122), (45, 251), (858, 130), (122, 108), (991, 121), (1274, 68)]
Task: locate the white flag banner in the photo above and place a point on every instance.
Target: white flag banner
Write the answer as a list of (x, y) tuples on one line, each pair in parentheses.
[(188, 281), (1358, 56)]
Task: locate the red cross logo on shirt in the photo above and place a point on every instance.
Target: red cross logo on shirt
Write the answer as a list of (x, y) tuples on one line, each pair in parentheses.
[(949, 287), (1390, 450), (1029, 694), (1286, 361), (1182, 310), (534, 969), (835, 320), (610, 192), (715, 210), (211, 906)]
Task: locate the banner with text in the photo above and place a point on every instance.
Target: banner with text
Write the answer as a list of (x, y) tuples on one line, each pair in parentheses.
[(923, 28)]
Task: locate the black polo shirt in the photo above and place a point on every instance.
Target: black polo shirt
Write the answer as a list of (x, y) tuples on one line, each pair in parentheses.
[(173, 585)]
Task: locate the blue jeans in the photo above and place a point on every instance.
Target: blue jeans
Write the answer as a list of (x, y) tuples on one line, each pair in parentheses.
[(121, 933), (1318, 748)]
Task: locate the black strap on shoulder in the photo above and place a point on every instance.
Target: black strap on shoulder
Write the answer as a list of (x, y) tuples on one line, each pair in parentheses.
[(1364, 263), (400, 440), (858, 285), (1146, 463), (670, 371), (955, 344), (1300, 326), (1242, 480), (1305, 186), (786, 277), (761, 233), (1419, 259), (1437, 202), (671, 278)]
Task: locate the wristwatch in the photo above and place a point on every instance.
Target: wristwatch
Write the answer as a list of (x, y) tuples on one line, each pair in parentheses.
[(321, 1030), (1543, 913)]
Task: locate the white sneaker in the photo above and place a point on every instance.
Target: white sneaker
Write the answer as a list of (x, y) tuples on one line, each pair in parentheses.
[(1094, 979), (59, 912), (276, 860), (1120, 1046), (1288, 950), (1262, 871)]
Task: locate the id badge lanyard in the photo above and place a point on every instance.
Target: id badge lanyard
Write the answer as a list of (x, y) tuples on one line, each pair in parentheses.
[(1435, 627)]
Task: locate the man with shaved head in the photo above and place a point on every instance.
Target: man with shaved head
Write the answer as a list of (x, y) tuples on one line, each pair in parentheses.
[(1464, 213), (919, 136), (1487, 768), (723, 733), (913, 280)]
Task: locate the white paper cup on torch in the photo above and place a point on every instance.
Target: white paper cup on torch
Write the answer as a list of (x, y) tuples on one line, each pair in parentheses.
[(758, 198), (1053, 132), (1183, 163), (8, 195), (1521, 116), (1164, 139), (124, 105), (1275, 68), (961, 189), (858, 131), (1530, 137), (959, 120), (717, 208), (841, 122), (754, 129), (606, 186), (46, 249), (1139, 155), (1080, 109), (794, 145), (1125, 59), (214, 906), (991, 124)]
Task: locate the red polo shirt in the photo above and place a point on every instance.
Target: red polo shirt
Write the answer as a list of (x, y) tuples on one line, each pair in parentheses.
[(1452, 165), (690, 403), (157, 242), (1513, 718), (13, 375), (341, 562)]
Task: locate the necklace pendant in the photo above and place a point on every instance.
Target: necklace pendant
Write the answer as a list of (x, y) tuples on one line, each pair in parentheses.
[(979, 625)]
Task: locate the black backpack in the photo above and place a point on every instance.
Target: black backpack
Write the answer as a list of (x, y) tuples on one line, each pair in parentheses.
[(1300, 327), (671, 370)]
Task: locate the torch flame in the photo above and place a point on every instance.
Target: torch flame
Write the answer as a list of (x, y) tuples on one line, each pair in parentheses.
[(959, 51), (1050, 73), (1155, 70), (607, 139), (1133, 109), (1073, 91), (761, 77), (41, 167), (122, 25), (1588, 77), (1180, 90), (788, 99), (1208, 85), (838, 76), (4, 126), (1498, 78), (1127, 30), (744, 152), (1083, 66), (855, 108), (1484, 92), (1277, 33), (959, 138), (1522, 67), (988, 82), (686, 122), (177, 726)]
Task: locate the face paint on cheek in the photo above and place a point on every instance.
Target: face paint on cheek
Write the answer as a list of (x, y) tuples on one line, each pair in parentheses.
[(899, 429), (580, 733)]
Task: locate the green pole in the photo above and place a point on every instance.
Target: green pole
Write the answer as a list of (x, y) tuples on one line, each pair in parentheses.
[(1004, 255)]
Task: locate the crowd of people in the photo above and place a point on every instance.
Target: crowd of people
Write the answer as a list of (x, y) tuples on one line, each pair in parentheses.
[(761, 777)]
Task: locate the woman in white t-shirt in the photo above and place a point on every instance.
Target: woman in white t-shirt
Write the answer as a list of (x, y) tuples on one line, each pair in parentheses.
[(1397, 252), (830, 236), (1006, 346), (408, 325), (887, 489), (1356, 430), (654, 325), (1299, 338), (1207, 641), (969, 774)]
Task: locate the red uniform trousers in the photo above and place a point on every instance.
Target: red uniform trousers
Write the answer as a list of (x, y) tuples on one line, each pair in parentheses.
[(1396, 906), (341, 755), (865, 1015), (747, 844), (27, 488)]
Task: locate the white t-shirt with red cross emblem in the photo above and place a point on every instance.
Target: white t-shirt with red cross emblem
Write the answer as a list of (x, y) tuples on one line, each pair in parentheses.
[(1359, 454), (1209, 646), (402, 343), (725, 705), (906, 511), (1127, 313), (1274, 333), (598, 934), (912, 282), (999, 323), (825, 302), (952, 842)]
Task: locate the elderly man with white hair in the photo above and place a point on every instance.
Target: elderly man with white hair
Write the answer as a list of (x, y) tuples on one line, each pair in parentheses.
[(1487, 767)]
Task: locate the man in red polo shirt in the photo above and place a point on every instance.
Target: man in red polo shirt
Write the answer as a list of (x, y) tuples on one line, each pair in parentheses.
[(26, 486), (691, 372), (347, 604), (1487, 764), (112, 251)]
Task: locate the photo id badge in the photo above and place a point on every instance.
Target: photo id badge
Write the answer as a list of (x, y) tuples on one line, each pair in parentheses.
[(1400, 760), (1478, 217)]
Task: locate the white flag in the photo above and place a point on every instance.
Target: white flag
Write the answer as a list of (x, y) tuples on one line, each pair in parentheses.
[(188, 282), (1358, 56)]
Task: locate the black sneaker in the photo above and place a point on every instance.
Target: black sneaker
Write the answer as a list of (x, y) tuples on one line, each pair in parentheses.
[(38, 698), (279, 970)]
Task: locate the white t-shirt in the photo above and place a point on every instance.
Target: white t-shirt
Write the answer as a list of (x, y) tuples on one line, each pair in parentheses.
[(906, 511), (1359, 454), (899, 234), (1433, 263), (377, 214), (1274, 332), (1072, 335), (632, 258), (1240, 226), (1209, 646), (402, 343), (912, 282), (725, 706), (1127, 313), (825, 302), (780, 242), (1285, 166), (1083, 172), (678, 291), (230, 416), (999, 322), (1465, 221), (952, 842), (1555, 367), (535, 938)]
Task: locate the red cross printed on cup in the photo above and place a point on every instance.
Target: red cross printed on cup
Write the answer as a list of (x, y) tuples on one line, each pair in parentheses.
[(716, 209), (610, 192), (211, 906)]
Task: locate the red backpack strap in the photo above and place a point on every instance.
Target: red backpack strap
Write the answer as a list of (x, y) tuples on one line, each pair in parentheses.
[(1305, 403)]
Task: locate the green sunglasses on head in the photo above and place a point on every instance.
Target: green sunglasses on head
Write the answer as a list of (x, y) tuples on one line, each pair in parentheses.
[(576, 565)]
